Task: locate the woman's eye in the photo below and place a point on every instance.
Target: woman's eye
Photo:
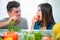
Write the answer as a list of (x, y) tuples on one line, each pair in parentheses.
[(38, 10)]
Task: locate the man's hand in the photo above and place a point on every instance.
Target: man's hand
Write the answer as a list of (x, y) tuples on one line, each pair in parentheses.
[(14, 18)]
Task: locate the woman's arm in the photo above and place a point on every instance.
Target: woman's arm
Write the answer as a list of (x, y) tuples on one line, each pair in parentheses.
[(34, 19)]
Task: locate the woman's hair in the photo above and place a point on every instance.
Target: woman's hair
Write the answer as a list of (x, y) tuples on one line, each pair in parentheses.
[(47, 16)]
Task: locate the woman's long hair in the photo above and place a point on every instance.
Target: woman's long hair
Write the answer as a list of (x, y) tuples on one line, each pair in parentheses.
[(47, 16)]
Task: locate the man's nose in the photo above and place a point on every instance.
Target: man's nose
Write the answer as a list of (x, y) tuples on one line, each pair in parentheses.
[(19, 14)]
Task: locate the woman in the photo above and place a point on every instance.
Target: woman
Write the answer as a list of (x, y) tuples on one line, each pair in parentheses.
[(44, 18)]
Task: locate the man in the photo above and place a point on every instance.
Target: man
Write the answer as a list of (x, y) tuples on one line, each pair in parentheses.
[(14, 12)]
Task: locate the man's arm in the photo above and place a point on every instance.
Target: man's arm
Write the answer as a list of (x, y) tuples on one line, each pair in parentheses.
[(6, 22)]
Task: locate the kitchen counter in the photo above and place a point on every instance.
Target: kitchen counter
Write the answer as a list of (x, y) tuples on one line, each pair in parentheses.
[(25, 30)]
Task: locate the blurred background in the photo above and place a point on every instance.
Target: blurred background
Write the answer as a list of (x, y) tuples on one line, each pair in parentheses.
[(29, 9)]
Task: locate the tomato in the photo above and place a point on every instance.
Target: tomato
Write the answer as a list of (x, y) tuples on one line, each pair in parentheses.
[(12, 35)]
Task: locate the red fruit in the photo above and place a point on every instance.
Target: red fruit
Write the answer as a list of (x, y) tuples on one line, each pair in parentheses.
[(13, 35), (38, 17)]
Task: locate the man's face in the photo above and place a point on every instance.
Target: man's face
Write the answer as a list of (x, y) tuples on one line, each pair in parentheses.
[(15, 12)]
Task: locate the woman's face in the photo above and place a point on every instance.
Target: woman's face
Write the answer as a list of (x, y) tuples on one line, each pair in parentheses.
[(39, 13)]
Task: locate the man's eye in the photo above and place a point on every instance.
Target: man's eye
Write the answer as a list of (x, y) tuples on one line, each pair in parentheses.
[(16, 12)]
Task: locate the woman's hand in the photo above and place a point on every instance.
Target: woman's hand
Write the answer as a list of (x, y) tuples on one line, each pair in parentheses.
[(34, 19)]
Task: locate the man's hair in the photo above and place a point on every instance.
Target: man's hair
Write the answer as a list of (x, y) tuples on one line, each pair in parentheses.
[(12, 4)]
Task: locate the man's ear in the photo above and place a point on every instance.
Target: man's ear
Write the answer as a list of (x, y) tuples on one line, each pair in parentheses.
[(9, 13)]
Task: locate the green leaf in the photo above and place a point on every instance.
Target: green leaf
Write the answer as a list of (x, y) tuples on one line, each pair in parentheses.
[(13, 27), (38, 36), (16, 28), (33, 36), (1, 38)]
